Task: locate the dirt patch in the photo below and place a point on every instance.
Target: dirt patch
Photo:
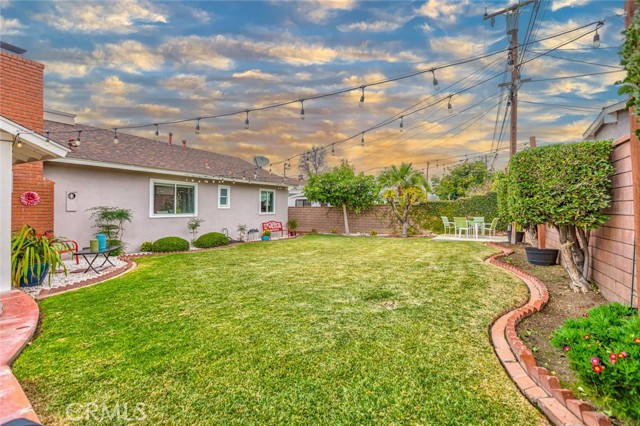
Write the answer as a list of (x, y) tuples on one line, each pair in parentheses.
[(536, 330)]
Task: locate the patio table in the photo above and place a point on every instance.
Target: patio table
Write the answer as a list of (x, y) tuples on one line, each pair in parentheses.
[(476, 227), (86, 253)]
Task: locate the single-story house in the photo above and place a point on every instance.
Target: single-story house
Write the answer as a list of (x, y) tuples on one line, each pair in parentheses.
[(162, 182), (611, 123)]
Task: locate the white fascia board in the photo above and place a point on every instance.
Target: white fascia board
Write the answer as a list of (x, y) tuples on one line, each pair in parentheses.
[(36, 141), (128, 167)]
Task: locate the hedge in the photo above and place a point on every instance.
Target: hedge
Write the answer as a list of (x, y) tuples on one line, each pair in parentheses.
[(168, 244), (212, 239), (427, 215)]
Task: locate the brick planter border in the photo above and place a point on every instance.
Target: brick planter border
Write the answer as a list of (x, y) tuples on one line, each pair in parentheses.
[(542, 389)]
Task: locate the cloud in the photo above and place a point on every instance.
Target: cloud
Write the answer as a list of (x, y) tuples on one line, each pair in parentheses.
[(559, 4), (117, 17), (129, 56), (185, 83), (201, 15), (443, 10), (320, 11), (198, 51), (255, 74), (112, 85), (11, 26), (373, 27), (66, 69), (160, 110)]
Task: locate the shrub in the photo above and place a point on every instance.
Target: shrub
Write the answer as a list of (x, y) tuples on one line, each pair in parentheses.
[(113, 242), (266, 232), (212, 239), (603, 348), (427, 215), (374, 232), (168, 244), (146, 246)]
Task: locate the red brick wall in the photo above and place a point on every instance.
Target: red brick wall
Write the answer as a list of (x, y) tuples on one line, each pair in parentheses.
[(21, 101), (324, 219), (612, 243)]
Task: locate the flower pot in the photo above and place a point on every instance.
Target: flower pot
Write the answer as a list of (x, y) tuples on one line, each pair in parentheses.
[(519, 236), (33, 279), (541, 257), (266, 238)]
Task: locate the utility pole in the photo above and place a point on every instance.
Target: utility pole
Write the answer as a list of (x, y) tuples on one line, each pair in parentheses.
[(428, 164), (512, 14)]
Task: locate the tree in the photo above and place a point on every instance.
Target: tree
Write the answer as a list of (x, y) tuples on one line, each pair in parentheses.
[(403, 188), (342, 187), (313, 161), (461, 179), (567, 187)]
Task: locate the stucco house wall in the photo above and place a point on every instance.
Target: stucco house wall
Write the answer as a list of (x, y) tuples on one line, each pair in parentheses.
[(129, 189)]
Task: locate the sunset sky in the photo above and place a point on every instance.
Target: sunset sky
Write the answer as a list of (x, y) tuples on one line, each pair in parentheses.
[(136, 62)]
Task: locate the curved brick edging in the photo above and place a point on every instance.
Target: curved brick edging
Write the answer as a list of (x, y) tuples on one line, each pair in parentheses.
[(18, 323), (558, 404)]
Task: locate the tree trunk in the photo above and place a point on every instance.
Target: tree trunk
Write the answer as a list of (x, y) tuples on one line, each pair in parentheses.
[(583, 236), (578, 282), (346, 220), (576, 250), (533, 235)]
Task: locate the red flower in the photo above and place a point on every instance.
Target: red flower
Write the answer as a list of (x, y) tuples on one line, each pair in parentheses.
[(29, 198), (586, 336), (598, 368), (636, 340), (595, 361), (623, 354), (585, 315), (566, 348), (613, 358)]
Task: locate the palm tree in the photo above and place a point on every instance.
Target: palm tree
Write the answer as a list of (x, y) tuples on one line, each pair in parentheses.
[(403, 188)]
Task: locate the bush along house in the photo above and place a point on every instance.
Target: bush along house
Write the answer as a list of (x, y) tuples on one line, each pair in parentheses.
[(164, 184)]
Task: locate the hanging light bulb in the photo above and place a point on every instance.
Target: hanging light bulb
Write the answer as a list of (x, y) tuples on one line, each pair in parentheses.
[(77, 142), (401, 123), (46, 141), (18, 141), (436, 86), (596, 39), (157, 131), (246, 121), (449, 107), (198, 127), (362, 140), (301, 109), (361, 104), (115, 137), (333, 150)]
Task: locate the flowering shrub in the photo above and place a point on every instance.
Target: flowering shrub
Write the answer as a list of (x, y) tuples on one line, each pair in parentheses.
[(603, 348)]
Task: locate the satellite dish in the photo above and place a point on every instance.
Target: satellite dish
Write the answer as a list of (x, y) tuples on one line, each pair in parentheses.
[(260, 161)]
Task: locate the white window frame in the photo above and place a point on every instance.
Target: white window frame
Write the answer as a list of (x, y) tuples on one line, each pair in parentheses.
[(228, 205), (152, 183), (260, 202)]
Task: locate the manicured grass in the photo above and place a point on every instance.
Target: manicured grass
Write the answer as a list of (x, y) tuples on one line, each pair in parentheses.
[(321, 330)]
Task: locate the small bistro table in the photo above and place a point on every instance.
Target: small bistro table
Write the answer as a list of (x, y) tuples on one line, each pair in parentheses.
[(86, 253)]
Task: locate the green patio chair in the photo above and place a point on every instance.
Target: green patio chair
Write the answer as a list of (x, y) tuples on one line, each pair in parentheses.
[(447, 225), (492, 227), (461, 225)]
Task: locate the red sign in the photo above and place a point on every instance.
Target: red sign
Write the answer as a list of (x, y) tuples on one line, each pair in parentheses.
[(272, 225)]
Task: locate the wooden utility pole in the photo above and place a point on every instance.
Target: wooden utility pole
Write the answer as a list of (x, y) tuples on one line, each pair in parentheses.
[(542, 242), (512, 13), (630, 7)]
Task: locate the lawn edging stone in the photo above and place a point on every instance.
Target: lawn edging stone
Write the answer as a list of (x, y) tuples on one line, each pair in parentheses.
[(543, 390)]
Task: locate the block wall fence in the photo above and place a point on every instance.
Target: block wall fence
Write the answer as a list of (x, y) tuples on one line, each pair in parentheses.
[(21, 101), (325, 219), (611, 245)]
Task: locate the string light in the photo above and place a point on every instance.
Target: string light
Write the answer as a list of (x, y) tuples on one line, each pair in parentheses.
[(361, 98), (362, 140), (157, 131), (115, 137), (436, 86), (301, 109), (246, 120), (596, 39), (18, 141), (46, 141), (449, 107), (402, 123), (333, 150), (198, 127), (77, 142)]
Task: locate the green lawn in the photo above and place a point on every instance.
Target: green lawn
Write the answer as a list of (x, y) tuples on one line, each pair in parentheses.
[(319, 330)]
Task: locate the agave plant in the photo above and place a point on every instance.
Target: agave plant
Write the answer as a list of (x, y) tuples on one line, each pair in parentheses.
[(33, 253)]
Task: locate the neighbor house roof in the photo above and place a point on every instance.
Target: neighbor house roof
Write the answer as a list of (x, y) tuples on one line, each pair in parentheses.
[(608, 115), (143, 154)]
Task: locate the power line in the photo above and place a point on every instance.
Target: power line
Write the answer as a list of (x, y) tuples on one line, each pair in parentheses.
[(575, 76), (576, 107)]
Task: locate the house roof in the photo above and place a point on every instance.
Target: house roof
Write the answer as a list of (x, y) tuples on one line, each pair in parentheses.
[(34, 147), (97, 148), (609, 114)]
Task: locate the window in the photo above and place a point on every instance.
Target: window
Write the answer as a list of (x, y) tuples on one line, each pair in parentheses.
[(267, 201), (224, 197), (303, 203), (173, 198)]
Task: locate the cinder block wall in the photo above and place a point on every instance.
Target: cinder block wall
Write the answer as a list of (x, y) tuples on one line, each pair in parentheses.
[(21, 101), (612, 244), (325, 219)]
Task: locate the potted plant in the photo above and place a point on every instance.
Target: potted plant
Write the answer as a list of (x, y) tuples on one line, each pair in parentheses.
[(292, 224), (266, 235), (33, 255)]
